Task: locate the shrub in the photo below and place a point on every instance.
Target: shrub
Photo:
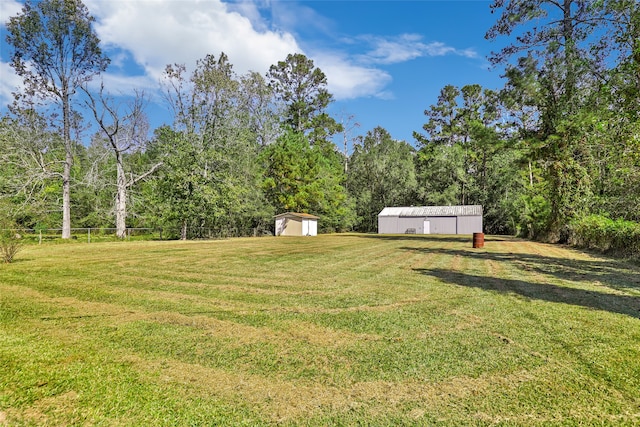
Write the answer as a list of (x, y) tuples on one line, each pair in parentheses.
[(535, 218), (604, 234), (10, 244)]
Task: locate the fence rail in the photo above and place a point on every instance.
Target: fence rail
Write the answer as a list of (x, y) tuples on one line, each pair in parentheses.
[(40, 235)]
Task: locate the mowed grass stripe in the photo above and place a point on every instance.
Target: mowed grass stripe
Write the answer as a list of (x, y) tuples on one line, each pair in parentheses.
[(344, 329)]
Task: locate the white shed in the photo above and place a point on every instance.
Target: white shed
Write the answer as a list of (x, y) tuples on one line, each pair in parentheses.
[(431, 220), (296, 224)]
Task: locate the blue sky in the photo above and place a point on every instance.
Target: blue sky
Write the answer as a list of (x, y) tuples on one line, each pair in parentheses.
[(385, 61)]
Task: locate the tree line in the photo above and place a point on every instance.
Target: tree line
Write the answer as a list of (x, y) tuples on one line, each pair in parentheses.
[(557, 145)]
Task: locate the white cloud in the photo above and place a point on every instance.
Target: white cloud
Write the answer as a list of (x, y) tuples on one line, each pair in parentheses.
[(437, 49), (251, 10), (157, 33), (407, 47), (349, 81), (294, 16), (9, 8), (399, 49), (358, 76), (9, 82), (118, 84), (143, 36), (469, 53)]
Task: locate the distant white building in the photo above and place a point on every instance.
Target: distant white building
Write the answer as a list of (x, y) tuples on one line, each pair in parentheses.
[(296, 224), (431, 220)]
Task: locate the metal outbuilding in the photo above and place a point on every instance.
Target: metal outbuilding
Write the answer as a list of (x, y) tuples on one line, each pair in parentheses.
[(431, 220), (296, 224)]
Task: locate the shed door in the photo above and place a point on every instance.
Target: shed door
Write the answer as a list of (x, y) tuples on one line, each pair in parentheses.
[(426, 227), (292, 227)]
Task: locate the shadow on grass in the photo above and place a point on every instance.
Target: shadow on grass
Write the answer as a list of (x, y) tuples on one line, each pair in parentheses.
[(611, 273), (433, 237), (622, 304)]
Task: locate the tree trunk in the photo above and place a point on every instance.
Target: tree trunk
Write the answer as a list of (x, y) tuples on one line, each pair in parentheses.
[(183, 230), (66, 197), (68, 163), (569, 53), (121, 198)]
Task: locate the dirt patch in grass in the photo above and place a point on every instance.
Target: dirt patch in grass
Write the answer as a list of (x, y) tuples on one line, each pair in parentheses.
[(467, 320), (279, 400), (324, 337), (269, 289), (46, 410), (293, 401), (245, 334)]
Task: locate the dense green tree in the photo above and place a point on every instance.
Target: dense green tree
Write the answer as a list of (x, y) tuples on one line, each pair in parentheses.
[(614, 114), (440, 161), (183, 194), (563, 70), (574, 99), (505, 191), (302, 88), (460, 140), (442, 126), (381, 173), (440, 174), (257, 101), (468, 156), (299, 177), (55, 51), (221, 121), (558, 37)]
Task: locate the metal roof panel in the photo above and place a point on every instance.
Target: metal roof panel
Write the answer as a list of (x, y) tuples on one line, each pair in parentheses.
[(297, 214), (414, 211)]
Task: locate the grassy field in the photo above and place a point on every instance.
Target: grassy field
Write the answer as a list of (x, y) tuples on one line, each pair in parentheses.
[(333, 330)]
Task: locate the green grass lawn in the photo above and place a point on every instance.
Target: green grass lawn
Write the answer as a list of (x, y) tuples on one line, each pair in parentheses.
[(328, 330)]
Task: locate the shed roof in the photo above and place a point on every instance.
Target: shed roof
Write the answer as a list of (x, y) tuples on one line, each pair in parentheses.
[(297, 215), (467, 210)]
